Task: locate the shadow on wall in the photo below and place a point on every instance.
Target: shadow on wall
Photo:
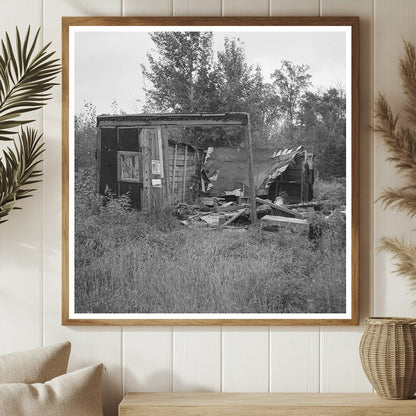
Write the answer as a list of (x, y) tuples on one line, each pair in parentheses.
[(112, 394), (160, 381), (87, 8)]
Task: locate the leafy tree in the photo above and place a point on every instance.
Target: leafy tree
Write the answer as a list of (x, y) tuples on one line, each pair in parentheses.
[(264, 107), (180, 72), (115, 109), (85, 136), (235, 78), (290, 82), (184, 78), (323, 128)]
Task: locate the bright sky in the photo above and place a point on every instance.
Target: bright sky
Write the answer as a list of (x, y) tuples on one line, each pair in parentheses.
[(107, 64)]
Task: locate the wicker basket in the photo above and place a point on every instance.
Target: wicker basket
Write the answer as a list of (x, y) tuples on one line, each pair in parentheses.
[(388, 356)]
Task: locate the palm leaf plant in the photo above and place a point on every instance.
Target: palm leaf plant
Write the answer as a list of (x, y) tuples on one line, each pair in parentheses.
[(26, 78), (401, 142)]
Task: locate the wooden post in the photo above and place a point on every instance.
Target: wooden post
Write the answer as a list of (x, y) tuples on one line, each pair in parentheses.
[(146, 171), (172, 191), (98, 160), (118, 143), (184, 173), (156, 149), (195, 194), (302, 179), (164, 163), (251, 173), (165, 149)]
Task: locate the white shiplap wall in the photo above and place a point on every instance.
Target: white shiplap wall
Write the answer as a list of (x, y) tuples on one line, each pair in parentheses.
[(305, 359)]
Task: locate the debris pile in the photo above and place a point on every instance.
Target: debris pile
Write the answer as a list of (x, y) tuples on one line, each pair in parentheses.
[(222, 213)]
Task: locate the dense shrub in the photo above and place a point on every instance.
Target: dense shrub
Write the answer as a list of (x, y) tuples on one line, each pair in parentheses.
[(332, 191)]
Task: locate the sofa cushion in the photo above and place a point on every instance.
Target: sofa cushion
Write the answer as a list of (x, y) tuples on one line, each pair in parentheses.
[(73, 394), (35, 366)]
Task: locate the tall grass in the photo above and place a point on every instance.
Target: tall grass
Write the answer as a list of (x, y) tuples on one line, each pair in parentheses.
[(129, 262)]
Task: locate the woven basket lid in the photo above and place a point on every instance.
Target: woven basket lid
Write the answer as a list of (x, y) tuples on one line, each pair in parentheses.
[(390, 320)]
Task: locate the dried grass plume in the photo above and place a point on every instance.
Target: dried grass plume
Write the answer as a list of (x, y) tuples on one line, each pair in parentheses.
[(401, 143)]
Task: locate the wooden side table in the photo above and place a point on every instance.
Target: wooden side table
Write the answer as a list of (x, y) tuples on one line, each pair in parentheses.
[(253, 404)]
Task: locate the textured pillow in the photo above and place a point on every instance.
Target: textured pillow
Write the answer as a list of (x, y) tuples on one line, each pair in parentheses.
[(73, 394), (35, 366)]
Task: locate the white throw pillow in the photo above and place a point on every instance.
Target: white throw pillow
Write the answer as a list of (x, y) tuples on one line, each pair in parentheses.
[(35, 366), (73, 394)]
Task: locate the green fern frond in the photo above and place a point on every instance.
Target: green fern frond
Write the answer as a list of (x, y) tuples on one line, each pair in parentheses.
[(26, 78), (20, 169)]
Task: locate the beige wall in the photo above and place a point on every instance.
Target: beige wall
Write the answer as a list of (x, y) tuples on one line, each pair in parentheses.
[(229, 359)]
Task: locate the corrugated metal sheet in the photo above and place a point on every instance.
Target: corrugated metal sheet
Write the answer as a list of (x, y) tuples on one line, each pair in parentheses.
[(226, 169)]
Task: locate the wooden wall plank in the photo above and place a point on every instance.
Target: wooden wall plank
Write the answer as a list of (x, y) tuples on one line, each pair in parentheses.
[(245, 359), (21, 237), (294, 351), (147, 7), (89, 344), (294, 8), (147, 359), (245, 8), (196, 359), (341, 370), (394, 21), (196, 8)]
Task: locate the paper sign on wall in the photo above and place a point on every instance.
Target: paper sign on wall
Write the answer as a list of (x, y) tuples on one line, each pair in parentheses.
[(156, 167), (156, 183)]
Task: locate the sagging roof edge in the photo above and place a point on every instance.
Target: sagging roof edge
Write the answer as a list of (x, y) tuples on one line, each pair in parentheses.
[(174, 119)]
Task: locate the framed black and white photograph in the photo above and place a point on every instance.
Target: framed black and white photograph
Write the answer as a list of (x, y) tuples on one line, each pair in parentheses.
[(210, 171)]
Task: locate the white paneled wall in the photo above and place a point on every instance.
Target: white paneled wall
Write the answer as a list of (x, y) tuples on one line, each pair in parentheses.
[(303, 359), (245, 359), (21, 240)]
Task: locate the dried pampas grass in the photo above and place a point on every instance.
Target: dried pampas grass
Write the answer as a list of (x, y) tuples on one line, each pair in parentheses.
[(405, 255), (401, 143)]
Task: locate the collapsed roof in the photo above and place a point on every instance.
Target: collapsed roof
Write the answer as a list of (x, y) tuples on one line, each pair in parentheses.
[(226, 169)]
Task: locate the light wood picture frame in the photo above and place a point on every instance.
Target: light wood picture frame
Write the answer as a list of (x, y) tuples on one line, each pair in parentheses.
[(160, 177)]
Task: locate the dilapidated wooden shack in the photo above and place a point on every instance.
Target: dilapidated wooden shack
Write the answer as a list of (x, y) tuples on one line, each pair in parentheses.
[(136, 155)]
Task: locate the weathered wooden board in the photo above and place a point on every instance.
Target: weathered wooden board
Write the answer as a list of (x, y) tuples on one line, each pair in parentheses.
[(279, 208), (285, 222)]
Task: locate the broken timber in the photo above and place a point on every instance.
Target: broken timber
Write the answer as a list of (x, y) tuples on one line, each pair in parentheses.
[(285, 222), (252, 190), (234, 217), (228, 208), (311, 204), (280, 208)]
